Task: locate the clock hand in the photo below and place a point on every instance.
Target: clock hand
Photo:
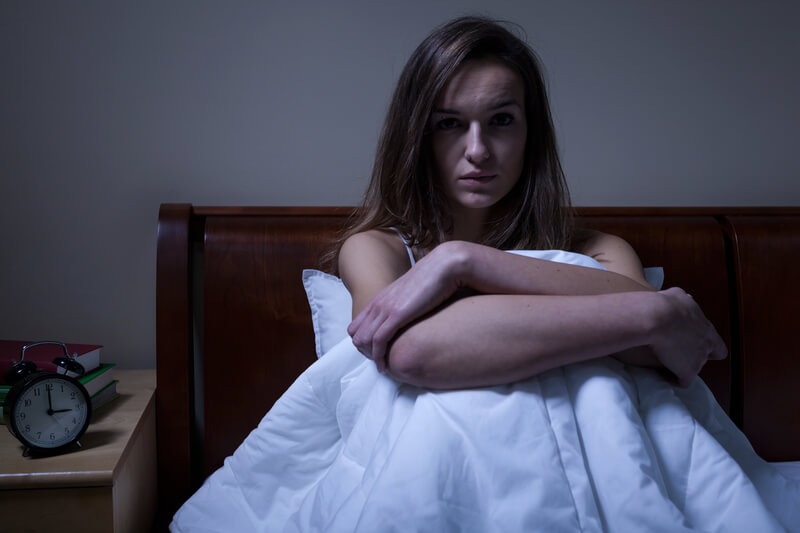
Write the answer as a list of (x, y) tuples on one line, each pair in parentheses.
[(49, 402), (62, 410)]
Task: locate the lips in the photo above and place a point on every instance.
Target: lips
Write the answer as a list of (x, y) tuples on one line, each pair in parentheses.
[(477, 178)]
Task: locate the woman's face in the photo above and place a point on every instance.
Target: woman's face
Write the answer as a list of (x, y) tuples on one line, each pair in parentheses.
[(479, 133)]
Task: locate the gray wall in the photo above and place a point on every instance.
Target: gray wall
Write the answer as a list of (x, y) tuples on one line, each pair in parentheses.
[(108, 109)]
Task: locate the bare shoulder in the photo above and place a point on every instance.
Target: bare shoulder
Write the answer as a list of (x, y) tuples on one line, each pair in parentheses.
[(613, 252), (373, 237), (369, 261), (604, 246), (379, 248)]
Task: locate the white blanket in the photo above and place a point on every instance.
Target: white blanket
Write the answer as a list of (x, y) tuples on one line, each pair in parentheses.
[(595, 446)]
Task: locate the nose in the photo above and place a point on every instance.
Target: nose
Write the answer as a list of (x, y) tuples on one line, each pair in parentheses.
[(476, 150)]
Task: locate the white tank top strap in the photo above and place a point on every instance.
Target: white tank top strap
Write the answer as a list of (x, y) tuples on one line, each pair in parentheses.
[(408, 247)]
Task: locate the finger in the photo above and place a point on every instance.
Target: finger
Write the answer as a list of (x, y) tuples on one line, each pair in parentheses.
[(357, 321), (354, 325), (379, 352), (380, 364), (719, 354), (360, 341), (362, 349), (379, 355), (366, 339), (382, 337)]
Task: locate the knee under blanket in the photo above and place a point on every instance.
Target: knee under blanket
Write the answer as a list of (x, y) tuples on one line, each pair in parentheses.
[(595, 446)]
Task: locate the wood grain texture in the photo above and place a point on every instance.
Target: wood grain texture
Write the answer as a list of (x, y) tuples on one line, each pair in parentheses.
[(174, 363), (257, 320), (767, 255), (48, 510), (135, 491)]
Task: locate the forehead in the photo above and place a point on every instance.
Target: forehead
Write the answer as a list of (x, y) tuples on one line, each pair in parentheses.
[(481, 83)]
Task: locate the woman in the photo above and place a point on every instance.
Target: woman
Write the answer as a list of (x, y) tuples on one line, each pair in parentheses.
[(539, 430), (479, 174)]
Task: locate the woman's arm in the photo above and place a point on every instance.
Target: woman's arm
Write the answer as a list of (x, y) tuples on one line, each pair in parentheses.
[(492, 271), (387, 295), (495, 339), (481, 340)]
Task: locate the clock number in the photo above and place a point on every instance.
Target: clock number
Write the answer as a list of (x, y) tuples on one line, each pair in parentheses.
[(27, 428), (48, 387), (27, 402), (37, 391), (52, 436), (72, 395)]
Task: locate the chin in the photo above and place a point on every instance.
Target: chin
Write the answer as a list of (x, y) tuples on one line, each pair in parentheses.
[(478, 201), (476, 206)]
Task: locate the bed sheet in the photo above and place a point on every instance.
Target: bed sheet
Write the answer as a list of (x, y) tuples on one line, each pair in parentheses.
[(595, 446), (790, 469)]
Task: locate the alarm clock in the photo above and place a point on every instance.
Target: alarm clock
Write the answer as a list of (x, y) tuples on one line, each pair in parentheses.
[(47, 412)]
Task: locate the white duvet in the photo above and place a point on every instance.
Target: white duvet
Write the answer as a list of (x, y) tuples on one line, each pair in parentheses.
[(595, 446)]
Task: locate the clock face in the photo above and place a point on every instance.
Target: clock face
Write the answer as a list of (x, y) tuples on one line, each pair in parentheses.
[(50, 411)]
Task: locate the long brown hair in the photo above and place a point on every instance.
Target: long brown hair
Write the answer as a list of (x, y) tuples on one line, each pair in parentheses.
[(403, 192)]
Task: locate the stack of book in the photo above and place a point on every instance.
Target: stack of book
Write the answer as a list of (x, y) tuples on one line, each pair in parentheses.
[(98, 378)]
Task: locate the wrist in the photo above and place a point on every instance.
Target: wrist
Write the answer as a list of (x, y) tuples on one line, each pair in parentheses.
[(655, 315), (458, 263)]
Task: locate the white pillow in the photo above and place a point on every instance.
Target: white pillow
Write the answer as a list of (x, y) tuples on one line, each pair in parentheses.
[(332, 306)]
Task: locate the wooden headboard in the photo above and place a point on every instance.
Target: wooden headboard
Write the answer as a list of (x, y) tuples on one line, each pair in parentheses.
[(234, 329)]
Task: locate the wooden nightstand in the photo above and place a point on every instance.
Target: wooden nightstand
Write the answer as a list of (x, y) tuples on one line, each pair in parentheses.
[(108, 485)]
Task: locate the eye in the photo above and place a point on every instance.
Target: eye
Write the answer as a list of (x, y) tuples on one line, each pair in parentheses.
[(448, 123), (502, 119)]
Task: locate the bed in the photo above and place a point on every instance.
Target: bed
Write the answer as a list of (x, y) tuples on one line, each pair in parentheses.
[(234, 325)]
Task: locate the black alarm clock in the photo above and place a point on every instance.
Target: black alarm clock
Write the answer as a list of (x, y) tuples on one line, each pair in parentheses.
[(46, 411)]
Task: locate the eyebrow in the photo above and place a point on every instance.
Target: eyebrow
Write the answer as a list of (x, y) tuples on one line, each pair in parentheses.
[(498, 105)]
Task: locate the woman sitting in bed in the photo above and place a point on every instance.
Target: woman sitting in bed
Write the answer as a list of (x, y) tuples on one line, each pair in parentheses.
[(538, 430), (481, 174)]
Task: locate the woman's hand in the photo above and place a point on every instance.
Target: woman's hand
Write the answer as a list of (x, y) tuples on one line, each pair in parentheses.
[(684, 339), (429, 283)]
